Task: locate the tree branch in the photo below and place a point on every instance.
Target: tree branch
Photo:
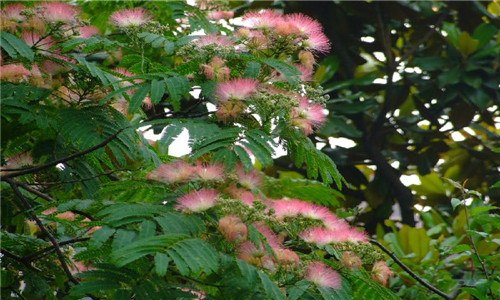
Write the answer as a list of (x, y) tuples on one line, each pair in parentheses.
[(38, 254), (410, 272), (64, 159), (19, 259), (27, 206)]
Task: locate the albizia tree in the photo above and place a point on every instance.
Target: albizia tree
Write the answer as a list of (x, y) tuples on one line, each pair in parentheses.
[(91, 208)]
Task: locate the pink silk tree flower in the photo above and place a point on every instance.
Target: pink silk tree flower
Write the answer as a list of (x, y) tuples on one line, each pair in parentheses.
[(271, 237), (34, 39), (306, 25), (318, 42), (308, 115), (198, 201), (267, 19), (174, 172), (233, 229), (323, 276), (245, 196), (220, 15), (209, 172), (381, 272), (130, 17), (212, 39), (351, 260), (58, 12), (236, 89), (14, 73), (87, 31), (287, 257), (251, 180), (13, 12)]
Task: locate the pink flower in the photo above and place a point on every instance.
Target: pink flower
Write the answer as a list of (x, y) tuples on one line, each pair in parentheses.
[(14, 72), (266, 19), (308, 115), (250, 180), (381, 272), (233, 229), (130, 17), (216, 69), (58, 11), (248, 252), (271, 237), (323, 236), (34, 39), (350, 260), (174, 172), (229, 110), (213, 172), (323, 276), (318, 42), (198, 201), (287, 257), (13, 12), (306, 73), (307, 59), (212, 39), (307, 25), (220, 14), (245, 196), (87, 31)]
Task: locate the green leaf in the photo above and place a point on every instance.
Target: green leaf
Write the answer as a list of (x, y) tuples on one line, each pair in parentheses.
[(244, 157), (484, 33), (290, 72), (101, 236), (455, 202), (11, 42), (252, 70), (161, 264), (89, 287), (157, 90), (177, 223), (143, 247), (195, 256), (177, 87), (272, 291), (138, 98)]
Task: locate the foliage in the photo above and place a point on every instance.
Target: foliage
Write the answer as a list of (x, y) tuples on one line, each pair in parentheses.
[(91, 208), (457, 251)]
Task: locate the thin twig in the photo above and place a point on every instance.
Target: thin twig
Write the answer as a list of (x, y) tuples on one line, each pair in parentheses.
[(410, 272), (64, 159), (19, 259), (37, 255), (74, 181), (27, 206)]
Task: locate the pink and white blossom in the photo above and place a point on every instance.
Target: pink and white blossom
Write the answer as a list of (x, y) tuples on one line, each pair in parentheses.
[(233, 228), (198, 201), (317, 42), (87, 31), (220, 15), (209, 172), (57, 12), (13, 12), (212, 39), (174, 172), (381, 272), (131, 17), (308, 115), (323, 276), (251, 180), (14, 72)]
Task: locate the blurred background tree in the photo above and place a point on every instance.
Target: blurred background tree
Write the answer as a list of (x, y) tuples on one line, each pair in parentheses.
[(413, 89)]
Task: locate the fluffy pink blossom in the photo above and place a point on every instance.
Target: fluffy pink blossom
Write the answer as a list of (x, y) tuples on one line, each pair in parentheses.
[(87, 31), (318, 42), (351, 260), (216, 69), (323, 276), (323, 236), (306, 73), (308, 115), (212, 39), (266, 19), (34, 39), (209, 172), (287, 257), (220, 14), (381, 272), (229, 110), (307, 25), (307, 59), (13, 12), (198, 201), (57, 11), (174, 172), (245, 196), (251, 180), (130, 17), (259, 257), (14, 72), (271, 237), (233, 229)]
